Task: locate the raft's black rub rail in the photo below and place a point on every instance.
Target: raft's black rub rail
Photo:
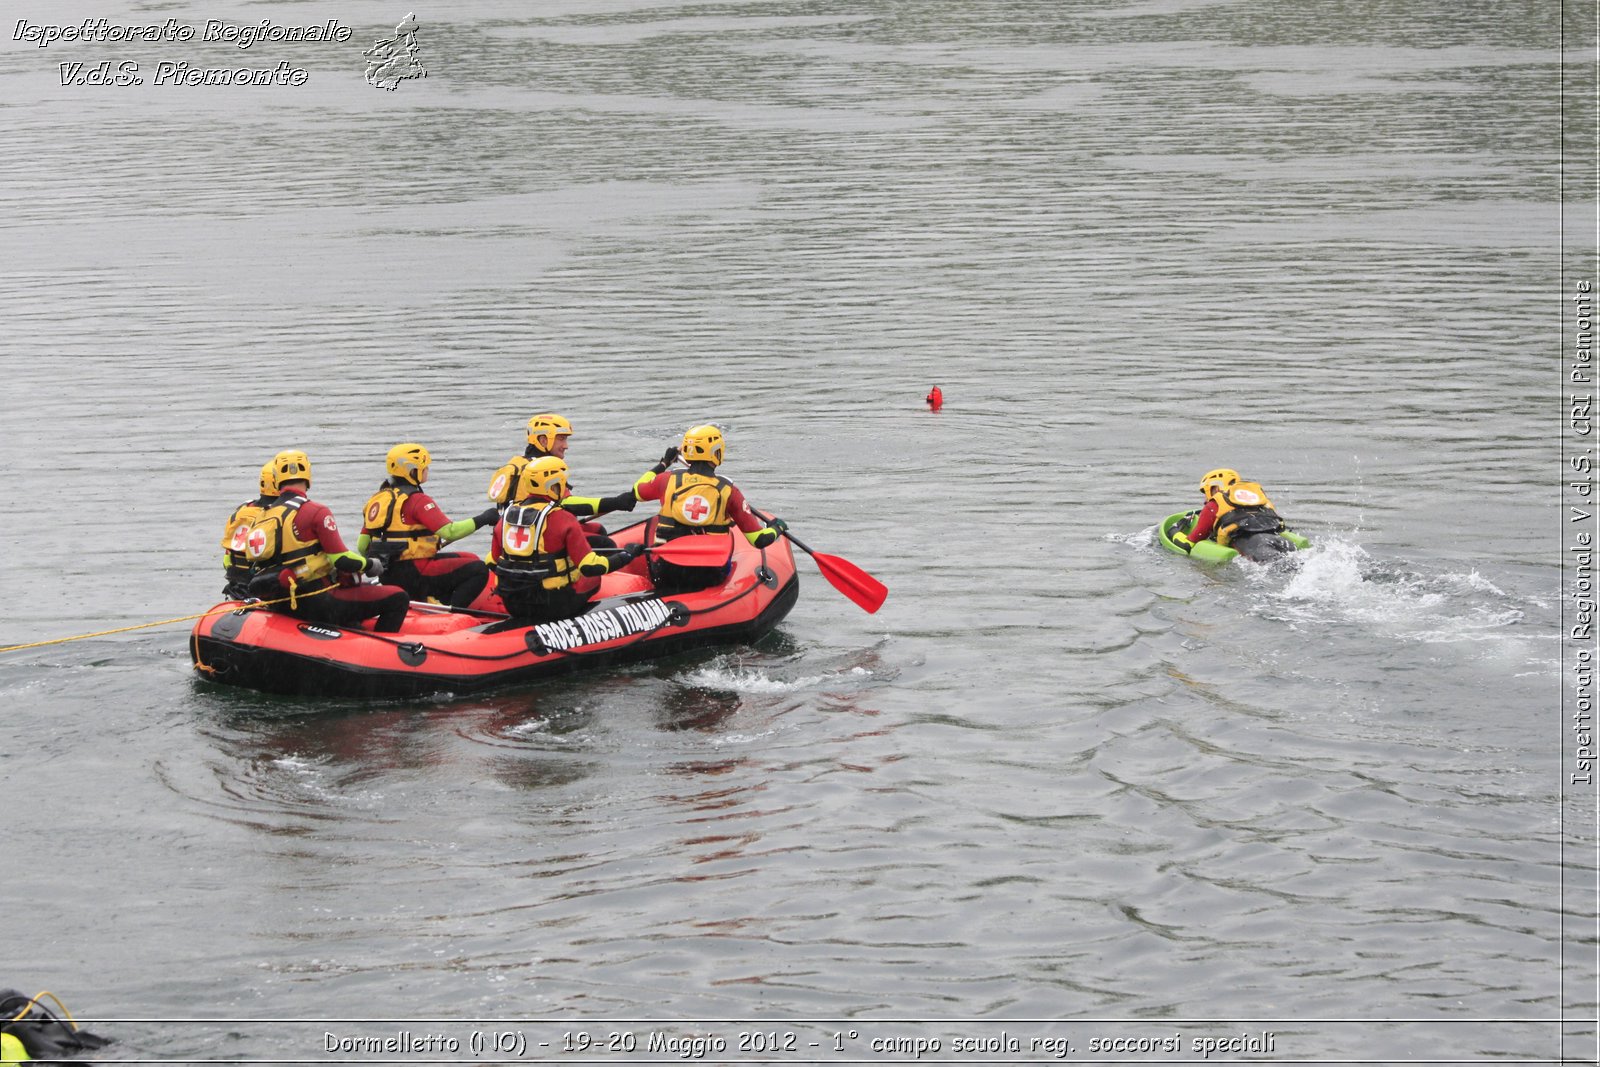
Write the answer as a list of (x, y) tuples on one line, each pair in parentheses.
[(292, 674)]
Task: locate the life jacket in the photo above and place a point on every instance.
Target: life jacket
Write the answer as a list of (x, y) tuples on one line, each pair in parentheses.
[(504, 482), (237, 533), (525, 559), (503, 485), (694, 503), (272, 543), (1243, 508), (393, 538)]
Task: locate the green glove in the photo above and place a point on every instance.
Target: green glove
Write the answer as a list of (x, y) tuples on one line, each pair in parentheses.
[(455, 531), (1182, 541)]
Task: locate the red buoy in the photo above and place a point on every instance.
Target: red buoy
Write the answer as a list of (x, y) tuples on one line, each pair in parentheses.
[(935, 399)]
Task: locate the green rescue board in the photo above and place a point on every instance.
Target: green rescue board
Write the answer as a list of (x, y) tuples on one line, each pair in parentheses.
[(1210, 551)]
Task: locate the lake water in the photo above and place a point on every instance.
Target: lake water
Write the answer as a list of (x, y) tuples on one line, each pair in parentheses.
[(1065, 790)]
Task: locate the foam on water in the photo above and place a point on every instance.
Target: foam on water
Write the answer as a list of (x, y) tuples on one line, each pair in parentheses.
[(1337, 581), (754, 680), (293, 780), (1138, 539)]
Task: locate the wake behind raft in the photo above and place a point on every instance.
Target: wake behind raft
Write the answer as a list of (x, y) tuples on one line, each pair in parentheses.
[(442, 651)]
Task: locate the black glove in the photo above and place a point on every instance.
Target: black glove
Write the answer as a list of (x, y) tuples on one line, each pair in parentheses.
[(487, 517), (764, 538), (669, 457), (350, 563), (623, 501), (594, 564)]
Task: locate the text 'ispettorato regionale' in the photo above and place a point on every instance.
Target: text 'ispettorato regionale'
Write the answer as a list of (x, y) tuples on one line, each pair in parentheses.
[(104, 31), (215, 31)]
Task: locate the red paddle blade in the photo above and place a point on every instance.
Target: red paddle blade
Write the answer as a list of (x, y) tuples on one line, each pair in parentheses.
[(708, 551), (855, 583)]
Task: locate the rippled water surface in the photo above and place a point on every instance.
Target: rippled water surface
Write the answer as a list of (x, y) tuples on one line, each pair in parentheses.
[(1063, 782)]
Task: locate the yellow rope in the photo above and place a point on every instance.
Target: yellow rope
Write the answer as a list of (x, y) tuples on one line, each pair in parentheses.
[(26, 1008), (292, 599)]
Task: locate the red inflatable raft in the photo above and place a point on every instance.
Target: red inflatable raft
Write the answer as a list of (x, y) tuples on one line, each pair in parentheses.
[(444, 651)]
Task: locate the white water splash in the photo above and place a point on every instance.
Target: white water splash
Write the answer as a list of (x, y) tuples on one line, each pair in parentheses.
[(1138, 539), (747, 680), (1337, 581), (301, 779)]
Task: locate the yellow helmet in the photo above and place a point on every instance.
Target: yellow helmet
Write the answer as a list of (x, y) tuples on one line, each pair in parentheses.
[(703, 444), (269, 480), (1222, 476), (408, 462), (290, 466), (545, 477), (544, 429)]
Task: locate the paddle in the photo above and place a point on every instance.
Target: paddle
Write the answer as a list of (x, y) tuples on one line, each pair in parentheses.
[(693, 551), (855, 583), (446, 609)]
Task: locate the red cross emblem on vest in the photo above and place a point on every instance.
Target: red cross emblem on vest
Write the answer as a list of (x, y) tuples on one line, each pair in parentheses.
[(696, 509), (517, 538), (258, 542)]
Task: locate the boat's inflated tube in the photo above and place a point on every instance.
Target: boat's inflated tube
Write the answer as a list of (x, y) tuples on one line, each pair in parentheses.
[(1258, 548)]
